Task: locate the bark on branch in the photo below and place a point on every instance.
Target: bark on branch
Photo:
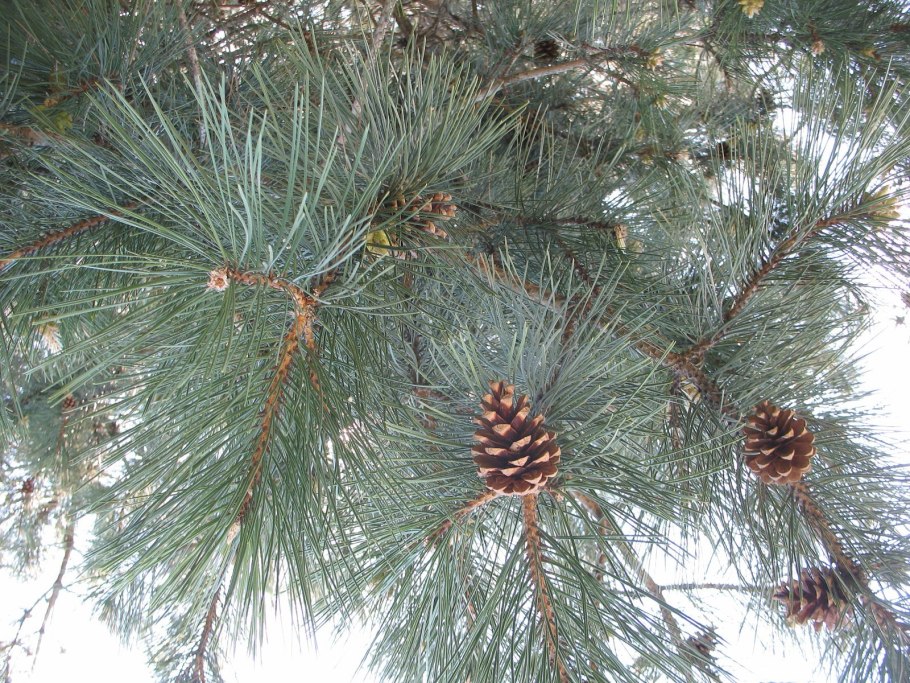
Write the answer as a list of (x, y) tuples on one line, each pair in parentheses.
[(57, 236), (539, 581)]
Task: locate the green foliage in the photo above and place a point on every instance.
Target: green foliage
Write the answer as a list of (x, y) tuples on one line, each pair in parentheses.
[(672, 219)]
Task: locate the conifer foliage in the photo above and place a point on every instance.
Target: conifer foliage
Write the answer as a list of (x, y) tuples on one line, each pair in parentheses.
[(260, 262)]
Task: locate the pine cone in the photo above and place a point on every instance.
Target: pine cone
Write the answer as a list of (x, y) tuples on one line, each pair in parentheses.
[(816, 596), (546, 50), (778, 446), (515, 455), (703, 642), (69, 402)]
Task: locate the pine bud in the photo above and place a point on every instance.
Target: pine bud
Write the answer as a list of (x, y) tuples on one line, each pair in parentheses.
[(751, 7)]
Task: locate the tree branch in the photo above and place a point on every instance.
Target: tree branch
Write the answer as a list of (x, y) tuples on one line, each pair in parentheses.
[(270, 410), (535, 567), (52, 238), (207, 628), (782, 251), (194, 66), (468, 508), (637, 566), (68, 542), (302, 326)]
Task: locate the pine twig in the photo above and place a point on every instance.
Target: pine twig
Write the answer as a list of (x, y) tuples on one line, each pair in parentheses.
[(535, 567), (68, 543), (731, 587), (782, 251), (467, 509), (57, 236), (272, 404), (207, 629), (591, 60), (193, 57), (302, 326), (638, 568), (819, 522), (382, 25)]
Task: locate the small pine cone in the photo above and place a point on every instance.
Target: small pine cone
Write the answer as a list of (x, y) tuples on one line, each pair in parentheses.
[(703, 642), (546, 50), (69, 402), (817, 596), (778, 445), (515, 455), (28, 486)]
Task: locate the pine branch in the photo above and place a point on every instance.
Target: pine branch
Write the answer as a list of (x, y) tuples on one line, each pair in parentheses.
[(194, 67), (68, 542), (58, 236), (732, 587), (272, 404), (207, 629), (535, 567), (676, 362), (305, 306), (782, 251), (592, 60), (638, 568), (819, 522), (382, 25), (468, 508)]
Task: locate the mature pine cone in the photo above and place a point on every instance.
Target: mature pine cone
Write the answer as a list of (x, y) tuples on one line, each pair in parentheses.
[(816, 596), (69, 402), (546, 50), (515, 455), (778, 446)]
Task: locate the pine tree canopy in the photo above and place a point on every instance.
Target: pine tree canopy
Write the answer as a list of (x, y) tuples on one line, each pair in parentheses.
[(513, 329)]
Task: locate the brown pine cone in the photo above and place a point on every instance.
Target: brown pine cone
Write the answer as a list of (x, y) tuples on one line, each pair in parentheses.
[(546, 50), (69, 402), (515, 455), (817, 596), (778, 446)]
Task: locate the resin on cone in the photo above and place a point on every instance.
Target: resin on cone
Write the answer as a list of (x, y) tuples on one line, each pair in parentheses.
[(515, 455), (778, 447)]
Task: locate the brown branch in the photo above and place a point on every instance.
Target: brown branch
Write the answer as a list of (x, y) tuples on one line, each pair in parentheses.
[(305, 304), (68, 542), (272, 404), (820, 524), (52, 238), (531, 74), (782, 251), (733, 587), (638, 568), (678, 363), (478, 502), (302, 326), (382, 25), (32, 137), (194, 66), (595, 58), (207, 628), (535, 567)]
